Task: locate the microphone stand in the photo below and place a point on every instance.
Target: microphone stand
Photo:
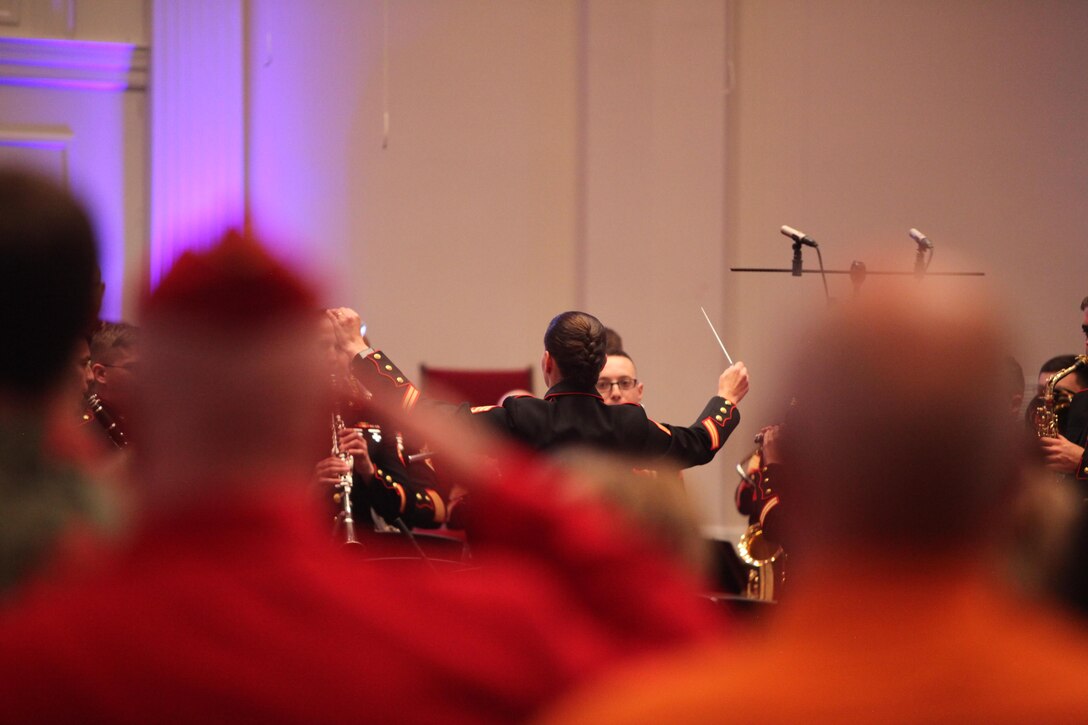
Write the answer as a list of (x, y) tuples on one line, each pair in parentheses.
[(858, 271), (921, 262), (854, 271), (797, 269)]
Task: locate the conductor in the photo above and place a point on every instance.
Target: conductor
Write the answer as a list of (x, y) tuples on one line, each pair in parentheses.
[(572, 411)]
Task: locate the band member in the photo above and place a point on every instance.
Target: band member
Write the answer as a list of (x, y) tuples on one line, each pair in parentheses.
[(1066, 453), (1064, 390), (386, 478), (618, 382), (115, 368), (758, 494), (572, 411)]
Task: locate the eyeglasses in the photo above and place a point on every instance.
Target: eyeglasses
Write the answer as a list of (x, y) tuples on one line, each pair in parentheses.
[(604, 386), (131, 367)]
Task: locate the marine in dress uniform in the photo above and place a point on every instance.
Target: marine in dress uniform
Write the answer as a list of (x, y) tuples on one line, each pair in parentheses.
[(571, 412), (1076, 430), (400, 487)]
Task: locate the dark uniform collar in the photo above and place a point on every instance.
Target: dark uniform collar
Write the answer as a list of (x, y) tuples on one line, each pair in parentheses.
[(565, 387)]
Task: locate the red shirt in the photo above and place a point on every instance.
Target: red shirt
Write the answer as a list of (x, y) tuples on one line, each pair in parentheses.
[(241, 608)]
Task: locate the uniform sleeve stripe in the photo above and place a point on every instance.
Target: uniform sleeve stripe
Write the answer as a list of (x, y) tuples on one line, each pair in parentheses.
[(712, 429), (439, 505), (767, 509), (411, 395), (663, 428)]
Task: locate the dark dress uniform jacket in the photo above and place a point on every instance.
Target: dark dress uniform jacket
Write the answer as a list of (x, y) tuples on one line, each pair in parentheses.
[(570, 414), (1077, 431)]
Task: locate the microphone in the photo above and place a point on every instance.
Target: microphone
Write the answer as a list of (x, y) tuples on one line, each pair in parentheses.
[(799, 237), (920, 239)]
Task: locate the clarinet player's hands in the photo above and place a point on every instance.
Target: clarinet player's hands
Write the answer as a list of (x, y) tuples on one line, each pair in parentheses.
[(327, 472), (346, 323), (353, 443), (733, 383)]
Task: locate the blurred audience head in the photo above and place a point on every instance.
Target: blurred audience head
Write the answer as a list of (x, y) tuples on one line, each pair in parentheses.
[(235, 377), (50, 288), (653, 501), (903, 442), (1014, 384), (81, 367)]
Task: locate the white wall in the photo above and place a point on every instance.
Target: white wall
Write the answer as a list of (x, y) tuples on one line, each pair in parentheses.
[(856, 120), (457, 239)]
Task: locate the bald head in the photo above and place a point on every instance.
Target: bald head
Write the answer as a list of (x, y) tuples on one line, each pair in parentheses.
[(901, 438)]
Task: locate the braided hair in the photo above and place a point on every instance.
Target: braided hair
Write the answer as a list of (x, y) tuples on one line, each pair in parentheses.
[(577, 342)]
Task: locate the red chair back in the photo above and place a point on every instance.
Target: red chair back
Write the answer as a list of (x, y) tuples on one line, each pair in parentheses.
[(478, 387)]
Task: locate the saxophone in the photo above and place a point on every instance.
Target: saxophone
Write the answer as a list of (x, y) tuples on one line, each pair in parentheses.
[(763, 558), (1046, 415)]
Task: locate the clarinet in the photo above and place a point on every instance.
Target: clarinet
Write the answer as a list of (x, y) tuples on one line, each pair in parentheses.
[(107, 421), (344, 520)]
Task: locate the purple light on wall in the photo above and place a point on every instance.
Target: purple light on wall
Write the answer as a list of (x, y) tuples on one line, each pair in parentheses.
[(197, 127), (71, 64), (67, 83)]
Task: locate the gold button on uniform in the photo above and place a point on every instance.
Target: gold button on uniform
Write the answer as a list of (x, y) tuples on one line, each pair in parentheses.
[(717, 417)]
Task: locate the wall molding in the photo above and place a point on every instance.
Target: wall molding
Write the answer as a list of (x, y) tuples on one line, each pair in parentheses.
[(47, 146), (73, 64)]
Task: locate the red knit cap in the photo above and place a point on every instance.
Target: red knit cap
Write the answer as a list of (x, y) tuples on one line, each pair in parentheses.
[(234, 284)]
